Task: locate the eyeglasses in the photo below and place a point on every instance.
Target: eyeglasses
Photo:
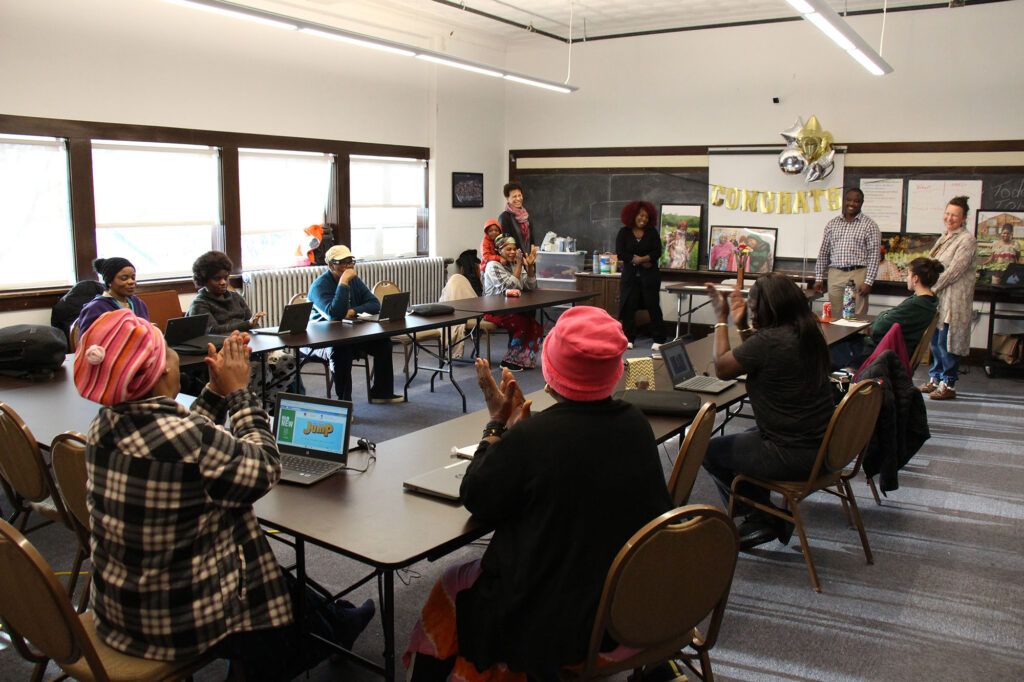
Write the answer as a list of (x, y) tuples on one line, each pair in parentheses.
[(344, 261)]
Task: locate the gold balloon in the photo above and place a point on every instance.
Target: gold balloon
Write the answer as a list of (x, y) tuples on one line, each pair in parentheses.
[(813, 141)]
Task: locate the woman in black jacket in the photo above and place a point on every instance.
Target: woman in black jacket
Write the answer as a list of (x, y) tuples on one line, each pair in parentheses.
[(638, 247)]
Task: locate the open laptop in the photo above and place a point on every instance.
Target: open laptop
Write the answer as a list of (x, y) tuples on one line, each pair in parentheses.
[(312, 435), (392, 308), (443, 482), (684, 376), (293, 320), (1014, 275), (187, 335)]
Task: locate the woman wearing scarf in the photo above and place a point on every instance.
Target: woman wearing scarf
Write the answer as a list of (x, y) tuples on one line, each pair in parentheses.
[(515, 221), (515, 270)]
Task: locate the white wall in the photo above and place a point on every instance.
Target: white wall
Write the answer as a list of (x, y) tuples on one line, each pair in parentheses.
[(957, 77)]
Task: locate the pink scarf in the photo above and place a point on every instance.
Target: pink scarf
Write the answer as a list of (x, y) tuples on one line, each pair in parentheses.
[(523, 218)]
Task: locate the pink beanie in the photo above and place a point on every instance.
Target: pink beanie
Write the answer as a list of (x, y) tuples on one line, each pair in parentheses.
[(582, 356), (120, 357)]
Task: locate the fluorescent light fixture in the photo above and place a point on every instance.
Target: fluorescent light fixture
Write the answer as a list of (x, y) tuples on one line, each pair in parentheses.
[(236, 13), (540, 84), (460, 65), (323, 31), (357, 41), (819, 13)]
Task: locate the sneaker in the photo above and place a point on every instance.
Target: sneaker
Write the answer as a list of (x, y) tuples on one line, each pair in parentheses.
[(511, 366), (943, 392), (928, 386), (756, 530), (629, 345), (386, 400)]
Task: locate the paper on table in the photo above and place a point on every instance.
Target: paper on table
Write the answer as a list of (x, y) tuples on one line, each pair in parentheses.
[(850, 323), (465, 452)]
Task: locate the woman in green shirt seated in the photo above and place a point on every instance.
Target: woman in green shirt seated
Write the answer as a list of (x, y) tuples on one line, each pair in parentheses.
[(913, 315)]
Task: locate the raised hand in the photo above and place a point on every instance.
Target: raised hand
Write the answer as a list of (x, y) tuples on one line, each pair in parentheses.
[(738, 307), (718, 303), (254, 322), (229, 368), (505, 404)]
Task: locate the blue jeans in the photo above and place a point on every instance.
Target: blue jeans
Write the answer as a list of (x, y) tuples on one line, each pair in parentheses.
[(945, 365)]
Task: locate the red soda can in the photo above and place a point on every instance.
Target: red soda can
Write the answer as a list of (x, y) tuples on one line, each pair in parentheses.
[(512, 292), (826, 311)]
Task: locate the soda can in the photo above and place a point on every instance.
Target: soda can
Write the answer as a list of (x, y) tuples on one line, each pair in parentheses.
[(826, 311), (512, 292)]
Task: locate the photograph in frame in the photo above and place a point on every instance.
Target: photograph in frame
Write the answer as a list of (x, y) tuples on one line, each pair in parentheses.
[(680, 236), (898, 249), (1000, 236), (467, 190), (726, 241)]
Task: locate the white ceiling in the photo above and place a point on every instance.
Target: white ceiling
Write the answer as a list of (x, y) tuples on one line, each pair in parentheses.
[(589, 18)]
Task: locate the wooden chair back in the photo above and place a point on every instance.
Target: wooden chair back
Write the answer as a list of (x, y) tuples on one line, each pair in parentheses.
[(920, 354), (691, 455), (849, 431), (67, 457), (25, 471), (163, 305), (73, 337), (385, 287)]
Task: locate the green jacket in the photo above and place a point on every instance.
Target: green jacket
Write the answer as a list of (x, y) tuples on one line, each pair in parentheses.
[(913, 315)]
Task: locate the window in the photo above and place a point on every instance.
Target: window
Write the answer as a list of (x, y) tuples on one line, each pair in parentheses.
[(156, 204), (281, 194), (388, 197), (35, 213)]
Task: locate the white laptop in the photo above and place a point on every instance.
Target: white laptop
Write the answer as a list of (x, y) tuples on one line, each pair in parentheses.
[(443, 482), (684, 376)]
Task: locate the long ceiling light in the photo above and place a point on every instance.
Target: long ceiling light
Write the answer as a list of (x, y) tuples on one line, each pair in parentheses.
[(819, 13), (339, 34)]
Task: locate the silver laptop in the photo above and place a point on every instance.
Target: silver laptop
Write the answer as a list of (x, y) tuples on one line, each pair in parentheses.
[(293, 320), (443, 482), (392, 308), (187, 335), (684, 376), (312, 435)]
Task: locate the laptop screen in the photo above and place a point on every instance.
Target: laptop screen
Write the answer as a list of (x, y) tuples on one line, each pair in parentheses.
[(313, 427), (677, 362)]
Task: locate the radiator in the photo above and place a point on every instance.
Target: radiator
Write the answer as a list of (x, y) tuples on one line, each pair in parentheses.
[(270, 290)]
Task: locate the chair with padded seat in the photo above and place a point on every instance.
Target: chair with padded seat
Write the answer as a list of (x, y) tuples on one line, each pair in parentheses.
[(691, 454), (845, 442), (67, 458), (656, 611), (408, 346), (304, 356), (25, 476), (43, 625), (162, 306)]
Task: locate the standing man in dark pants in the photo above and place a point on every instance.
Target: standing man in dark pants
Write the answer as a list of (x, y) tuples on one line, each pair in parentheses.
[(339, 294), (849, 251)]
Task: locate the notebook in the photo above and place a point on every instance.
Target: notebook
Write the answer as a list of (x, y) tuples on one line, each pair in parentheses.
[(187, 335), (312, 435), (293, 320), (443, 482), (392, 308), (684, 377)]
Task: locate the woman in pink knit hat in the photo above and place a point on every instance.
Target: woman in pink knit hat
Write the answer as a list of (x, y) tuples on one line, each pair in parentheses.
[(170, 499), (563, 489)]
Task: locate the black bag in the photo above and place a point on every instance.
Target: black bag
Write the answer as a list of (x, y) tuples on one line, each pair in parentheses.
[(665, 403), (431, 309), (31, 351), (66, 311)]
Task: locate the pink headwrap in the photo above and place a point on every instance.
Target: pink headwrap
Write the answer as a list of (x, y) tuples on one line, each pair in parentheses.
[(120, 357)]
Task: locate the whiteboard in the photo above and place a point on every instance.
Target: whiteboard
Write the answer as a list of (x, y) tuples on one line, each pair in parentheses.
[(799, 233), (927, 200)]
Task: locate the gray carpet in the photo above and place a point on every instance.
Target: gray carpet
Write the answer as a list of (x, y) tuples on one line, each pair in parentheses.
[(944, 599)]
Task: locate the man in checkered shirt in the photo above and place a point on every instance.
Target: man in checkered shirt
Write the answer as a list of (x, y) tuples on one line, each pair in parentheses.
[(181, 565), (849, 251)]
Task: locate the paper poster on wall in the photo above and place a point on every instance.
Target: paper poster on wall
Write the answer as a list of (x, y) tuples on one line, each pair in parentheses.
[(883, 202), (747, 188), (927, 199)]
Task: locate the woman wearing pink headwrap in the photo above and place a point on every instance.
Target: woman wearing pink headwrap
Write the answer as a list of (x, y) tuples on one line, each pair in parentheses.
[(562, 501), (170, 498)]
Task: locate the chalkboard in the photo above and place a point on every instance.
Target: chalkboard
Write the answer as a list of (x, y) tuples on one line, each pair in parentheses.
[(587, 205)]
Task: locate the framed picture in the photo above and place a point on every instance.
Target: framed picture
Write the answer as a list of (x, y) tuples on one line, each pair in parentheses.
[(680, 236), (726, 242), (1000, 236), (898, 249), (467, 190)]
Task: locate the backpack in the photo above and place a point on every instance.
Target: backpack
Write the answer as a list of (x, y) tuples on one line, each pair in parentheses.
[(66, 311), (31, 351)]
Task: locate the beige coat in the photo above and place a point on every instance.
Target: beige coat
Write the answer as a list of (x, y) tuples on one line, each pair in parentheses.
[(955, 287)]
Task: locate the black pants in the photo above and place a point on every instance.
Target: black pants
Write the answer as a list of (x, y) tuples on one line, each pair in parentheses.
[(636, 293), (342, 356)]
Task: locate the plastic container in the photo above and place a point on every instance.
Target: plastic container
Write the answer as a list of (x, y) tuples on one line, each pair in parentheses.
[(606, 263), (849, 300), (556, 265)]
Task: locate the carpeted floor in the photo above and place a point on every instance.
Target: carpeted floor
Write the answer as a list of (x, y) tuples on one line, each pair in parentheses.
[(944, 599)]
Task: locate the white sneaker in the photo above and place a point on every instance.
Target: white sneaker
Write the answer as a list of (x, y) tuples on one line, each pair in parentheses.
[(629, 345), (655, 346)]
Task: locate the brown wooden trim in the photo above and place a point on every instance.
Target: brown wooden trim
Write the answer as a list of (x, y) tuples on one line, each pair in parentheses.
[(923, 172), (624, 169), (231, 207), (343, 199), (609, 151), (929, 147), (83, 207), (32, 299)]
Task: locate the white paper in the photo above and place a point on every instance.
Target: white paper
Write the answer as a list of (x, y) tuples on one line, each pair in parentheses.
[(883, 202), (927, 200), (466, 451), (850, 323)]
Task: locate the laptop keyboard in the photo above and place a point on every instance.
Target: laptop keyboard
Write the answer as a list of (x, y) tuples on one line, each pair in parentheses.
[(307, 465), (706, 384)]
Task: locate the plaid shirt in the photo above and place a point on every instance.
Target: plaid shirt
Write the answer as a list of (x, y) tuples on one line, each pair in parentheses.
[(850, 244), (179, 559)]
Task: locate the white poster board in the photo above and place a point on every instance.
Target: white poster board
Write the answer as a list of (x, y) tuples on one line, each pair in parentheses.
[(797, 208), (883, 202), (927, 200)]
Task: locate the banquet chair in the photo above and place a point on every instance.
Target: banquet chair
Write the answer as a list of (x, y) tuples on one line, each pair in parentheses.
[(25, 476), (43, 625), (162, 305), (405, 341), (321, 356), (845, 441), (658, 611), (691, 454), (67, 458)]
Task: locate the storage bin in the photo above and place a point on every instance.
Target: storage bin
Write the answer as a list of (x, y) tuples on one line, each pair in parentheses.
[(559, 265)]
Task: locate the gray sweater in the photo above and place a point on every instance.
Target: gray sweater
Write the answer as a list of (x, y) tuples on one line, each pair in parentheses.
[(226, 314)]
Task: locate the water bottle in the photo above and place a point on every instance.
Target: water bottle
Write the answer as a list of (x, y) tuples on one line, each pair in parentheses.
[(849, 299)]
